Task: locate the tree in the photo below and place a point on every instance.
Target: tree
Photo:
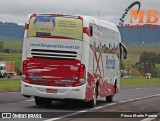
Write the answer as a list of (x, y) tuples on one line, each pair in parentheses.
[(147, 62), (1, 45)]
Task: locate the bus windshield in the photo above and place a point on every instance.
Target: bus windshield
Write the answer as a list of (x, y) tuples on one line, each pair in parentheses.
[(55, 27)]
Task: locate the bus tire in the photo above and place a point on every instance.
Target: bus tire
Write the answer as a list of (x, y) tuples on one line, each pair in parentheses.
[(47, 102), (93, 102), (5, 75), (38, 101), (115, 87), (43, 101), (109, 98)]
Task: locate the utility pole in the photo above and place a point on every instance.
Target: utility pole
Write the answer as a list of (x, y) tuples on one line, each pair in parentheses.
[(158, 73), (98, 14)]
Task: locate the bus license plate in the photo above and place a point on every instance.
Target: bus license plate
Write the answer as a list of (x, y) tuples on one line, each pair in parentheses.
[(51, 91)]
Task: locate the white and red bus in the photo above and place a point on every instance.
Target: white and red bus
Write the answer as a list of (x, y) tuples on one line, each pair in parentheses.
[(70, 57)]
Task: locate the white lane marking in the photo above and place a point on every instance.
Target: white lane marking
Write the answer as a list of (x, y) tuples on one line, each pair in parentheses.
[(130, 99), (8, 92), (130, 89), (137, 88), (18, 101), (148, 119), (110, 104), (29, 100), (82, 111), (123, 101), (99, 107), (68, 115), (140, 98), (78, 112), (151, 87)]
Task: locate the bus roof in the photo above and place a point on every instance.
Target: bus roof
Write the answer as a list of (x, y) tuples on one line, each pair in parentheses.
[(87, 19), (102, 23)]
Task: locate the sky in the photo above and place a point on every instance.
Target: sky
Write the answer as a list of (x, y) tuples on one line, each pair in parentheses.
[(110, 10)]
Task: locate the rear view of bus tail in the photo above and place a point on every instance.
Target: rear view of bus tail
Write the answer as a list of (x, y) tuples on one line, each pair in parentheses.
[(52, 58)]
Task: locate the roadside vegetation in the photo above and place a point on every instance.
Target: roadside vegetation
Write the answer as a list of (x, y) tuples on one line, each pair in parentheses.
[(14, 85), (140, 81), (147, 63), (138, 61), (9, 85), (12, 51), (11, 45)]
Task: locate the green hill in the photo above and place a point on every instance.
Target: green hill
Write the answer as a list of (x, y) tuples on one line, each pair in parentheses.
[(11, 31), (130, 36)]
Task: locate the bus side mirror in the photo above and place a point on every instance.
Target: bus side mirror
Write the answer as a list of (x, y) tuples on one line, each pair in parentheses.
[(125, 54), (91, 30), (123, 51)]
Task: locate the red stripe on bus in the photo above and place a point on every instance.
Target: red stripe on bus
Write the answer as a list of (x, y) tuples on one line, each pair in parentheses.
[(26, 26), (86, 31), (58, 37)]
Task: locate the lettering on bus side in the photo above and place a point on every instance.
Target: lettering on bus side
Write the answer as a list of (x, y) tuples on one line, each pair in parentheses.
[(110, 62)]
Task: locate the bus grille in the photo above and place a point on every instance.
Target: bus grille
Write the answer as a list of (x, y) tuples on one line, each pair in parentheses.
[(54, 54)]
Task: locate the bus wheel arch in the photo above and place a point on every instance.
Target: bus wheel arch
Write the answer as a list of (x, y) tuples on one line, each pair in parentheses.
[(92, 103), (110, 97), (115, 86), (97, 86)]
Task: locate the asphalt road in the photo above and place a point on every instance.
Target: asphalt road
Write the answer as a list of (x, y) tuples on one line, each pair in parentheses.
[(129, 99)]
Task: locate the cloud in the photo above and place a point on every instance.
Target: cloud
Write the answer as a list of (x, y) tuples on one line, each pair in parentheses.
[(112, 10)]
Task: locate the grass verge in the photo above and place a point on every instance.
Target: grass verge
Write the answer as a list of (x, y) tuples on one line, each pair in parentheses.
[(14, 85), (9, 85), (140, 82)]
